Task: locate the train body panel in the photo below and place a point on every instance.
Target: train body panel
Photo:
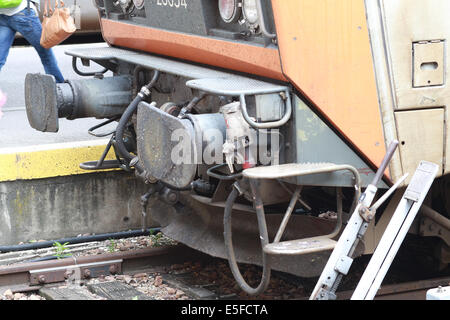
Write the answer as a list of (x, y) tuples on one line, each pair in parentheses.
[(337, 56), (411, 66), (265, 62), (325, 52)]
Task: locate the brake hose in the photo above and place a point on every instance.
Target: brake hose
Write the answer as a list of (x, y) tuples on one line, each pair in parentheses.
[(265, 279), (145, 92), (122, 150)]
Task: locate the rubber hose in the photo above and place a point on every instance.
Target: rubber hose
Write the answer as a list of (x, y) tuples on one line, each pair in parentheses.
[(82, 239), (121, 128), (126, 117), (265, 279)]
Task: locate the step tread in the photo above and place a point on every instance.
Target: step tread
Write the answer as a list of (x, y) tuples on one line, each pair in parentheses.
[(300, 246), (287, 170)]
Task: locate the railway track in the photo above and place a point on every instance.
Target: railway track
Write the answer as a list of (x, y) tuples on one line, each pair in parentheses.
[(415, 290), (173, 272), (35, 276)]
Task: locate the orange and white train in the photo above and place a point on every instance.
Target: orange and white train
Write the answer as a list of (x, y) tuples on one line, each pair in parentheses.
[(310, 93)]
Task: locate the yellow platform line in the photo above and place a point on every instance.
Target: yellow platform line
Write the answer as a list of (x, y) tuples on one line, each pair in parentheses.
[(51, 160)]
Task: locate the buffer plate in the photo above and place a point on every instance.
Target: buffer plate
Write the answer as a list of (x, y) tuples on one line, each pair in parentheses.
[(41, 102)]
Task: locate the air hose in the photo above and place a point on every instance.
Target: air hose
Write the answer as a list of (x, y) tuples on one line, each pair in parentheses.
[(145, 92), (265, 279), (126, 116), (75, 240)]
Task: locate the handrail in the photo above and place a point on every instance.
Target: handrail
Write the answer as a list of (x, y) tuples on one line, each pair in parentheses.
[(267, 125), (262, 23)]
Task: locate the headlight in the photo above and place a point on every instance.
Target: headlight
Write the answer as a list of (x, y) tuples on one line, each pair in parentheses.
[(250, 11), (229, 10), (139, 4)]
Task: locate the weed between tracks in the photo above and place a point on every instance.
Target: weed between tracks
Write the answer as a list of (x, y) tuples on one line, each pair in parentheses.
[(61, 250)]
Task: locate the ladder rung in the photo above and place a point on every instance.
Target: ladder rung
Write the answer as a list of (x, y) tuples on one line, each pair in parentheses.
[(288, 170), (300, 246)]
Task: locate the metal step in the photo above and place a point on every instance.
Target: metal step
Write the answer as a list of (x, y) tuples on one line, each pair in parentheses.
[(235, 86), (289, 170), (165, 65), (300, 246)]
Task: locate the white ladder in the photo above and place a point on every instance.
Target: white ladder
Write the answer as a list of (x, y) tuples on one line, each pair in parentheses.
[(340, 260), (396, 231)]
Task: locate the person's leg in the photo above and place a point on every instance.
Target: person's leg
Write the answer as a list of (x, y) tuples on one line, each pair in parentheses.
[(6, 39), (28, 24)]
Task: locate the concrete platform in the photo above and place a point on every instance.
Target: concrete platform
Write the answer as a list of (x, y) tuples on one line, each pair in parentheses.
[(43, 192), (53, 208), (45, 195)]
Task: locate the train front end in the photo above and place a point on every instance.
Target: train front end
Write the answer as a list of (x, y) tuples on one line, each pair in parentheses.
[(275, 112)]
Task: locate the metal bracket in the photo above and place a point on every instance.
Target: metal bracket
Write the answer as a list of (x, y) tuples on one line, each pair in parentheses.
[(75, 272), (367, 213), (430, 228), (103, 164), (343, 265), (85, 63), (326, 295)]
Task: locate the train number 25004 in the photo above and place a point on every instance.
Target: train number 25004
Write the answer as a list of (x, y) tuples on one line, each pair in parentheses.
[(172, 3)]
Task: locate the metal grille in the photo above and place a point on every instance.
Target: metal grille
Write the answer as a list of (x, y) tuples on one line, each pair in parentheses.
[(235, 86)]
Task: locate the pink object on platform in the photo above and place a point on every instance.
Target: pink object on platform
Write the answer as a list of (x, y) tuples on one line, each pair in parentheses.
[(2, 102)]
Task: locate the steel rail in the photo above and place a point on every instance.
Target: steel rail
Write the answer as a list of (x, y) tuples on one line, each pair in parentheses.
[(19, 277)]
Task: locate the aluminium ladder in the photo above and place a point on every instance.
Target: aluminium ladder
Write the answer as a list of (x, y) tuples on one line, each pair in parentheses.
[(396, 231), (340, 260)]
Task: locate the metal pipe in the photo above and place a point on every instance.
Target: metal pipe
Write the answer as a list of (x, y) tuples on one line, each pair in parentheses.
[(82, 239), (339, 210), (435, 216), (385, 162), (262, 22), (85, 74), (389, 192), (302, 202), (288, 213), (121, 148), (218, 176), (101, 135), (191, 105)]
